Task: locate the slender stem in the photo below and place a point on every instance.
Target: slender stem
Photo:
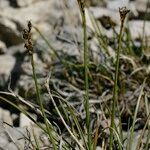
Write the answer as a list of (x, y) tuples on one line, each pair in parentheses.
[(41, 104), (86, 62), (86, 70), (115, 89)]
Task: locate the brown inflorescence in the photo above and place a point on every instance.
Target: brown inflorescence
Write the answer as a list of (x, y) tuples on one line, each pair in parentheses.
[(123, 12), (27, 37)]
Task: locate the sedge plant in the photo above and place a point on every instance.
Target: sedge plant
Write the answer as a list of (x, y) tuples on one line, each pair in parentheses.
[(29, 47), (123, 12)]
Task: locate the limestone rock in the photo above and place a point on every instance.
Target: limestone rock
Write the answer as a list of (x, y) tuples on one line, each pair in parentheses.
[(25, 121), (9, 32), (5, 116), (24, 3), (115, 4), (3, 3), (141, 5), (7, 63), (2, 47), (136, 28), (14, 20)]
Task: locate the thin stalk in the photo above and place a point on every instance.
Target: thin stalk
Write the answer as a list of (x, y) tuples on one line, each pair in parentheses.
[(123, 11), (86, 61), (86, 70), (41, 104), (115, 89)]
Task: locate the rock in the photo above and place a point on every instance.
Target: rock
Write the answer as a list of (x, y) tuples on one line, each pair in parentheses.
[(16, 138), (43, 14), (7, 64), (22, 3), (2, 47), (12, 138), (25, 84), (16, 49), (36, 12), (39, 66), (72, 35), (100, 12), (4, 4), (141, 5), (44, 27), (3, 139), (95, 3), (116, 4), (98, 148), (25, 121), (136, 28), (136, 135), (5, 116), (11, 146), (9, 32), (69, 40), (14, 20)]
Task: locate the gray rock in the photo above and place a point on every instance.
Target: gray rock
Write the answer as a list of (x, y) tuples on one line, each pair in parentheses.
[(14, 20), (13, 50), (10, 146), (3, 139), (73, 35), (2, 47), (9, 32), (24, 3), (7, 63), (5, 116), (115, 4), (12, 138), (25, 121), (141, 5), (99, 12), (136, 29), (36, 12), (3, 4)]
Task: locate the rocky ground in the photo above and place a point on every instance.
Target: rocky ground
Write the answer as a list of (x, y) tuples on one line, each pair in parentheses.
[(59, 21)]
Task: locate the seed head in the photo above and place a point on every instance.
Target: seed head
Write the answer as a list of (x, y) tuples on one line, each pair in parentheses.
[(27, 37), (25, 34), (123, 12), (29, 26)]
